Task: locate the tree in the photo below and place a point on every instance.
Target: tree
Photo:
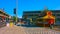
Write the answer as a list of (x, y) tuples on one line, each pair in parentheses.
[(14, 18)]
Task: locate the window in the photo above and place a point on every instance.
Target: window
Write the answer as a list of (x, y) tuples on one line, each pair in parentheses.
[(58, 19), (58, 15)]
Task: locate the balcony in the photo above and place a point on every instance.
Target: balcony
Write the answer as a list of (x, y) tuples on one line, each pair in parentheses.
[(3, 15)]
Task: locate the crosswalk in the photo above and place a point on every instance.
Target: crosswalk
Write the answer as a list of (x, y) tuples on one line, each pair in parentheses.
[(34, 30)]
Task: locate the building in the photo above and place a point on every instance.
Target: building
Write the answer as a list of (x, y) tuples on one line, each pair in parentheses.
[(33, 15), (3, 14), (3, 17)]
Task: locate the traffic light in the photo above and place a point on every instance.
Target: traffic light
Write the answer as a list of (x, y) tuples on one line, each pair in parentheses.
[(14, 10)]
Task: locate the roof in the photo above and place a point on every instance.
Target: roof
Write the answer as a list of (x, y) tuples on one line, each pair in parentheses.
[(40, 11), (4, 12)]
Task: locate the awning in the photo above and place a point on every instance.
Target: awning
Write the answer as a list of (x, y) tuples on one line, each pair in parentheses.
[(50, 17)]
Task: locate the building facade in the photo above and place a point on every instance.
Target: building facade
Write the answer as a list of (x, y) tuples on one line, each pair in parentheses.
[(3, 14), (33, 15), (3, 18)]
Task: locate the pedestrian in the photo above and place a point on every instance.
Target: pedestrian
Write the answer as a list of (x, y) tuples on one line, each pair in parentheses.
[(51, 23), (11, 24)]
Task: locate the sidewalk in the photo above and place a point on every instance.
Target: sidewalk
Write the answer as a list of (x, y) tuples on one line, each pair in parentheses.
[(42, 30), (12, 30), (54, 28), (27, 30)]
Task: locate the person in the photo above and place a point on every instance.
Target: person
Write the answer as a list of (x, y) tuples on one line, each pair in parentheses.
[(51, 23), (11, 23)]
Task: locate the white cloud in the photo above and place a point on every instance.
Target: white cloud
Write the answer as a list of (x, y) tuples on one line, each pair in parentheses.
[(20, 16)]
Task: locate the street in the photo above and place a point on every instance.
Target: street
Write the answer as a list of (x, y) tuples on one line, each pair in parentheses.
[(27, 30), (38, 30)]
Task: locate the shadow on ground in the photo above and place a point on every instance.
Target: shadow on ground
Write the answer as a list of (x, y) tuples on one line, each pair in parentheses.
[(29, 26)]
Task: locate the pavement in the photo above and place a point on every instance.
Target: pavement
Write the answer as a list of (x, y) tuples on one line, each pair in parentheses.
[(12, 30), (40, 30), (27, 30)]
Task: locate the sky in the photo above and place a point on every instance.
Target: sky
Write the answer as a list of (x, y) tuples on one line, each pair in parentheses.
[(28, 5)]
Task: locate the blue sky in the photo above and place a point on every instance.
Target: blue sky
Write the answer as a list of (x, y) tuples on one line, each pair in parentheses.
[(28, 5)]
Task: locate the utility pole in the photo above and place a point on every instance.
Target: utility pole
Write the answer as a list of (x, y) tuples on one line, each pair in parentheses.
[(16, 9)]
